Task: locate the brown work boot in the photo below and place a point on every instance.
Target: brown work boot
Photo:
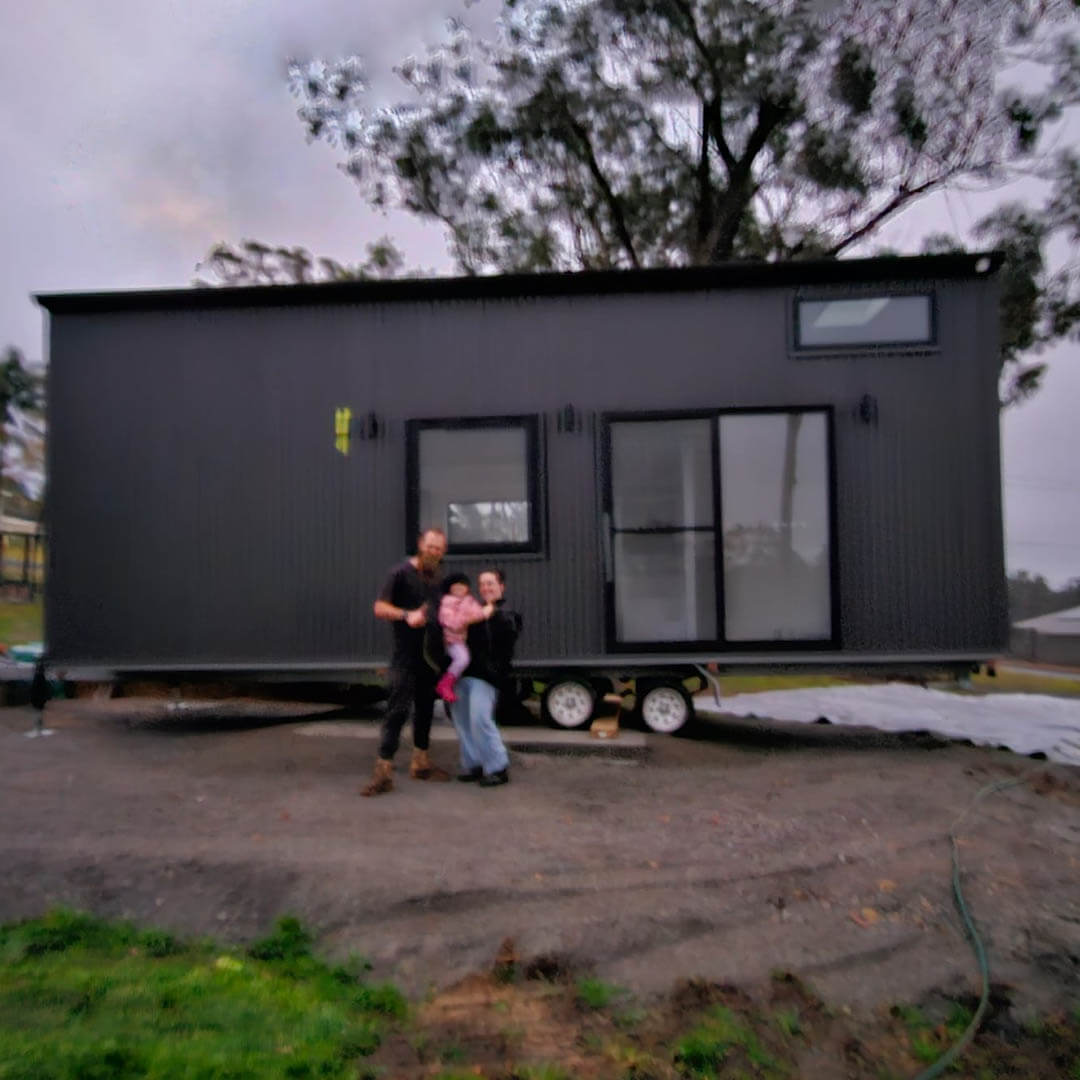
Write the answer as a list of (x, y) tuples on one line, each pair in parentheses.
[(382, 779), (421, 768)]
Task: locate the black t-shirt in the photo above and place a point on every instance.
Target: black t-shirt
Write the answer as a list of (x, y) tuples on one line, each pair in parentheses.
[(405, 587)]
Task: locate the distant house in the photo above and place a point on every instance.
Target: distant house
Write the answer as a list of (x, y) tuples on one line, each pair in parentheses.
[(1048, 639)]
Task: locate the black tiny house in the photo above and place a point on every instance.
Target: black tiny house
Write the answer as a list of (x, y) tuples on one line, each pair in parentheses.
[(770, 466)]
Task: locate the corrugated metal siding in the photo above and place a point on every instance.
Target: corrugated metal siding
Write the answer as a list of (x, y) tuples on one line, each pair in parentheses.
[(200, 514)]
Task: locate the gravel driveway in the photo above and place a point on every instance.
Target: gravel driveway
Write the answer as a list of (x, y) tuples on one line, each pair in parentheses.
[(753, 847)]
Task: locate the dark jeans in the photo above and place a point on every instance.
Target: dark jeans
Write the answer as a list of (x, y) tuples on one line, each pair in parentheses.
[(412, 690)]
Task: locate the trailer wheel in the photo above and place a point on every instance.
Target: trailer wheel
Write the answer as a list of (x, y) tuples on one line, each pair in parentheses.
[(666, 708), (568, 703)]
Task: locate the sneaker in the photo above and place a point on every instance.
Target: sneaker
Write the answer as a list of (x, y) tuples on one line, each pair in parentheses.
[(495, 779), (445, 689), (471, 775)]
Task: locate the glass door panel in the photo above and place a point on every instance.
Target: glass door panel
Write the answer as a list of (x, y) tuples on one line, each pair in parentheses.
[(662, 474), (663, 535), (665, 586), (774, 483)]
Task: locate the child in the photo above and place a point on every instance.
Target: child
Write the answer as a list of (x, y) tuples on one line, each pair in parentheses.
[(458, 610)]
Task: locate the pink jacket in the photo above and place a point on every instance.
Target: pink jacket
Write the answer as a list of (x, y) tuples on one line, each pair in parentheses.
[(456, 613)]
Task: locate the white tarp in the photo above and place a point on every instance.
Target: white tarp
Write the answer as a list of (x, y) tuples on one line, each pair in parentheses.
[(1023, 722)]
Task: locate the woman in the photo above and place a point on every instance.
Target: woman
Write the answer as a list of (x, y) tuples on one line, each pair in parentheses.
[(491, 647)]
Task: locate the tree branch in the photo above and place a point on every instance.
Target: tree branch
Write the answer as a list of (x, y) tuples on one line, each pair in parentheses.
[(713, 119), (721, 239), (704, 181), (899, 200), (610, 198)]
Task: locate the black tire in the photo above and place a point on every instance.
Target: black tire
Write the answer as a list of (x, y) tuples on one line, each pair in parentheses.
[(568, 703)]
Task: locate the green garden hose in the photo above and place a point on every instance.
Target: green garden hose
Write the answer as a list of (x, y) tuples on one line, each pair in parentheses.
[(961, 1044)]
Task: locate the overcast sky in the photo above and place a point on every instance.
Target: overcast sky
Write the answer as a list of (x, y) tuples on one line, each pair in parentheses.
[(136, 133)]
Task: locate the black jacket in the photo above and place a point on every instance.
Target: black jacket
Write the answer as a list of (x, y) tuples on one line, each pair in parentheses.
[(491, 646)]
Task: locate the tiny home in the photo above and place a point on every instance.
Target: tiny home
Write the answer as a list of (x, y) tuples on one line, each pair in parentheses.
[(771, 466)]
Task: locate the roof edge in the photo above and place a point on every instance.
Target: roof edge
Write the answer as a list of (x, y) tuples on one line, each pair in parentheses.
[(732, 275)]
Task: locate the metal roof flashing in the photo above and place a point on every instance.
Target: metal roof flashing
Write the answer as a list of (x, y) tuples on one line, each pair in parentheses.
[(725, 276)]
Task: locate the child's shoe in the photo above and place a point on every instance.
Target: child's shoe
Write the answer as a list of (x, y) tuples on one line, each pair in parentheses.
[(445, 688)]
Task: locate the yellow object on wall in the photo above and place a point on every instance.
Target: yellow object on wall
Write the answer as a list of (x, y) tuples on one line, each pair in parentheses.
[(342, 425)]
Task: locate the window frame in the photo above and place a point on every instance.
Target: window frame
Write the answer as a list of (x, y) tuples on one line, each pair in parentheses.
[(870, 346), (530, 424), (720, 645)]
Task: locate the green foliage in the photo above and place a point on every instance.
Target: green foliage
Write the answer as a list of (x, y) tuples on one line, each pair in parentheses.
[(256, 263), (1038, 305), (82, 999), (60, 930), (18, 386), (854, 78), (829, 161), (1030, 596), (957, 1021), (597, 994), (540, 1072), (703, 1052), (628, 1019), (911, 1016), (644, 134), (289, 941), (158, 943), (924, 1048), (788, 1022), (382, 998), (910, 124)]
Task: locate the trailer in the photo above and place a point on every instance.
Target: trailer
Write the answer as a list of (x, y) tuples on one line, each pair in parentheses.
[(768, 467)]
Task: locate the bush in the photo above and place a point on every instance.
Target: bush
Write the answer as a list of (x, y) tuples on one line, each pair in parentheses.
[(289, 941)]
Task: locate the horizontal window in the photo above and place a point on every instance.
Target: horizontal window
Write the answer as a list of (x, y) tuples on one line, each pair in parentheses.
[(865, 320), (477, 480)]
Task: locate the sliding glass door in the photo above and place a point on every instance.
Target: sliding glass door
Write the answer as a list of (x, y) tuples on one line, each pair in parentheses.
[(764, 479)]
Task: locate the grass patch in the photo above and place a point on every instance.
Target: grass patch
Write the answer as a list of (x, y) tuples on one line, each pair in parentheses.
[(1009, 682), (21, 623), (911, 1016), (924, 1048), (540, 1072), (705, 1050), (754, 684), (1025, 682), (628, 1019), (83, 998), (788, 1022), (597, 994), (957, 1021)]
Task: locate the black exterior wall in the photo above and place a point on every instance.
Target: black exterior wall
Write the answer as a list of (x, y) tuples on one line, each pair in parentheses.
[(201, 518)]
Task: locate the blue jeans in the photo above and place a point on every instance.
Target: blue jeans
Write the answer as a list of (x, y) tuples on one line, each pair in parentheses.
[(474, 717)]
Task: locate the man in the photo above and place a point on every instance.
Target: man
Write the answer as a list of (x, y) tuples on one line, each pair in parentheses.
[(408, 596)]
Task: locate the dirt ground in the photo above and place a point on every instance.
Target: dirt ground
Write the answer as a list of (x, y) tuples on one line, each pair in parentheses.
[(752, 848)]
